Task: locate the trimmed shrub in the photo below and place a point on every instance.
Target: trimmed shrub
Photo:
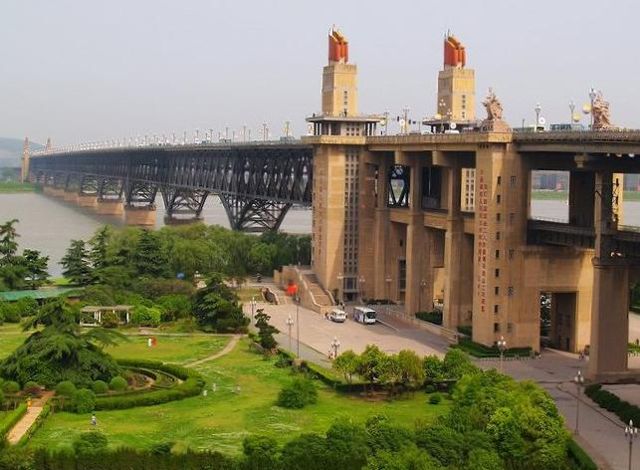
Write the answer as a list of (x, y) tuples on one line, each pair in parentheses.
[(299, 393), (65, 388), (146, 316), (435, 398), (434, 317), (118, 384), (10, 387), (430, 388), (99, 387), (84, 401), (32, 388), (90, 442), (110, 320)]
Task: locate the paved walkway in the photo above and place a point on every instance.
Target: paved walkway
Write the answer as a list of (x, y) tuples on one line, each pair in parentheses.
[(226, 350), (25, 423)]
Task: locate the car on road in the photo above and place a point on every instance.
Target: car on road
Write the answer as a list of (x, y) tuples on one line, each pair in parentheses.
[(337, 315), (364, 315)]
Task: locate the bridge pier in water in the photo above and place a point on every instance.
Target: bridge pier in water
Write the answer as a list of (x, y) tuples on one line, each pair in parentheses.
[(183, 206)]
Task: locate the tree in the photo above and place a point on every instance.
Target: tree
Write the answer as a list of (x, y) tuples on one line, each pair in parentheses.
[(390, 371), (216, 308), (260, 453), (149, 259), (61, 350), (261, 257), (306, 452), (369, 363), (98, 256), (36, 267), (8, 243), (347, 364), (76, 264), (266, 330), (411, 370), (346, 445)]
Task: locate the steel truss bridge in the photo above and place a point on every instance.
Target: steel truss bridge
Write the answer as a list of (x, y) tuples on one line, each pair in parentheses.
[(257, 183)]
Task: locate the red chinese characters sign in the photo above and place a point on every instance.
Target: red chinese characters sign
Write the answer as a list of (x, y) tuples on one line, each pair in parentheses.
[(483, 238)]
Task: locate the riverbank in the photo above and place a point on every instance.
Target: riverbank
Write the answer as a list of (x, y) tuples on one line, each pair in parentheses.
[(9, 187), (551, 195)]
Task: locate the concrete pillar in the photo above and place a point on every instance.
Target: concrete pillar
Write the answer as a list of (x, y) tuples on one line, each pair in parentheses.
[(381, 232), (168, 220), (453, 251), (140, 216), (70, 196), (109, 207), (609, 312), (415, 241), (581, 198), (87, 200)]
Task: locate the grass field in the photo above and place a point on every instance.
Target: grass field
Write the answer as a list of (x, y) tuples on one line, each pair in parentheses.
[(15, 187), (178, 349), (550, 195), (11, 336), (222, 419)]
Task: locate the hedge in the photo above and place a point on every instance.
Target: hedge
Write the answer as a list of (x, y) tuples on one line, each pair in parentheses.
[(579, 459), (434, 317), (10, 420), (610, 402), (191, 385), (109, 459), (480, 350)]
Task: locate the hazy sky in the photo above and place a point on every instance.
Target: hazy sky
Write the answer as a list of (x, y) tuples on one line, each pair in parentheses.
[(80, 70)]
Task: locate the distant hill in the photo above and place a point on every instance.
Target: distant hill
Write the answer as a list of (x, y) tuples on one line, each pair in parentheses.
[(11, 151)]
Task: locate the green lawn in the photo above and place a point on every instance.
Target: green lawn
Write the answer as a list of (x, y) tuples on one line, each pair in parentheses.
[(550, 195), (222, 419), (245, 294), (16, 187), (11, 336), (179, 349)]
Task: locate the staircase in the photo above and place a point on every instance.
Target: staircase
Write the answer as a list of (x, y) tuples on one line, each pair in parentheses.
[(319, 295)]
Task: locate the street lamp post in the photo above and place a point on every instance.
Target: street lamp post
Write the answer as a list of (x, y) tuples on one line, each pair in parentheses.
[(335, 344), (423, 284), (502, 346), (297, 301), (537, 109), (361, 282), (289, 324), (579, 381), (572, 108), (253, 308), (340, 288), (631, 433), (388, 280)]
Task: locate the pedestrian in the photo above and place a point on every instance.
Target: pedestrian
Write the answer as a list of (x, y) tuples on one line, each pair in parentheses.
[(94, 420)]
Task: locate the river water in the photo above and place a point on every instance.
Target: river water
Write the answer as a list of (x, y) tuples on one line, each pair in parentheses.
[(48, 224)]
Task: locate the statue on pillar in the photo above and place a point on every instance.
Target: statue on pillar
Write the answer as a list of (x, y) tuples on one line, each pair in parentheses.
[(494, 121), (600, 114)]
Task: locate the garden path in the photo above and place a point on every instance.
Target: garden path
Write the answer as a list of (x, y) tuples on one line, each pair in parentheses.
[(226, 350), (25, 423)]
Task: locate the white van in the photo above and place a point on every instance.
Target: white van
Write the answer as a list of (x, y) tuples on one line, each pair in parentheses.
[(364, 315), (338, 316)]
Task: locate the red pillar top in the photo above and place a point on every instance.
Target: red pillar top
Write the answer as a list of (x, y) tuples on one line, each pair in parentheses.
[(338, 47)]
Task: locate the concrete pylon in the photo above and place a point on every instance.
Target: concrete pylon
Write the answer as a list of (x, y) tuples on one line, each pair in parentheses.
[(26, 155)]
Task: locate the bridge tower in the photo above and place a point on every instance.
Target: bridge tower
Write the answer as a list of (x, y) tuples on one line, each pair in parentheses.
[(456, 85), (26, 154), (339, 134)]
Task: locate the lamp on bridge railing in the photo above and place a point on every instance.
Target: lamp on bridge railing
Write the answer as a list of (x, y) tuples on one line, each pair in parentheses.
[(537, 109)]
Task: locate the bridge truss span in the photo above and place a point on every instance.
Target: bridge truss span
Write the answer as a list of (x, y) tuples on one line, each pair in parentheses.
[(257, 184)]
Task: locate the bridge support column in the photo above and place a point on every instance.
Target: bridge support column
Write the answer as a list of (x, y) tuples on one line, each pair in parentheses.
[(109, 207), (140, 216), (608, 356), (415, 253), (453, 252), (87, 200), (249, 214), (381, 233), (183, 206)]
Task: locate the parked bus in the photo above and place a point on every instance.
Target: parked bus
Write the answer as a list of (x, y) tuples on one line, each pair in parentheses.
[(364, 315)]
